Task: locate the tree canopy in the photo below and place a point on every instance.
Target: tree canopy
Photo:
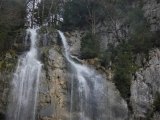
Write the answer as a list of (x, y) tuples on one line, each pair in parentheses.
[(12, 19)]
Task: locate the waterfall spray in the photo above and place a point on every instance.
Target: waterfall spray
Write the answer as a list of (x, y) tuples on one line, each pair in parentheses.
[(24, 86), (89, 92)]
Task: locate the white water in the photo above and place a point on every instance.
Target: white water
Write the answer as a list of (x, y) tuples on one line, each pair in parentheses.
[(88, 100), (24, 86)]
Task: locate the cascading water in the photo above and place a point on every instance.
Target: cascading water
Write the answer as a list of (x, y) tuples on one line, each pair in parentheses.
[(24, 87), (88, 101)]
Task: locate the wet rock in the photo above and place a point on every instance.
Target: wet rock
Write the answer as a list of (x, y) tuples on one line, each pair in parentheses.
[(117, 107), (47, 111), (74, 41), (53, 96)]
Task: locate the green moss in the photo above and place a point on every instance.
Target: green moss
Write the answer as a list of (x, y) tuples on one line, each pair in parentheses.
[(43, 29), (51, 29)]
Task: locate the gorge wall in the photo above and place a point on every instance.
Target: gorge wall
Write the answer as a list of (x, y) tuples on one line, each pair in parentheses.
[(144, 85), (55, 85)]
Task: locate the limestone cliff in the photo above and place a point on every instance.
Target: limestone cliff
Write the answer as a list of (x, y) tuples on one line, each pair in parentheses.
[(145, 85), (55, 85), (54, 88)]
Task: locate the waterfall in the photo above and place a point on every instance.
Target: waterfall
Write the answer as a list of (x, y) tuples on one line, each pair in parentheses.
[(24, 86), (88, 99)]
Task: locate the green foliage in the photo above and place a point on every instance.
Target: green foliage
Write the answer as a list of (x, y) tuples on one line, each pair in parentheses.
[(105, 58), (141, 42), (123, 82), (12, 14), (140, 39), (3, 38), (156, 102), (124, 67), (136, 19), (6, 37), (122, 56), (43, 29), (52, 30), (75, 12), (89, 46)]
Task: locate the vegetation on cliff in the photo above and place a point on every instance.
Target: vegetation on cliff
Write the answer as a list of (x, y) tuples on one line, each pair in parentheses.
[(125, 22), (89, 46), (139, 39), (12, 20)]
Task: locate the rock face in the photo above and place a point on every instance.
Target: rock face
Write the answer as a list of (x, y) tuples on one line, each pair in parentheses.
[(55, 85), (74, 38), (152, 13), (4, 80), (53, 91), (7, 66), (145, 86), (117, 107), (54, 101), (47, 37)]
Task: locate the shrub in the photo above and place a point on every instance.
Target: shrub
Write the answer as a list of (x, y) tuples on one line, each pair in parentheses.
[(141, 36), (89, 46), (105, 58), (123, 82), (123, 66), (43, 29)]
